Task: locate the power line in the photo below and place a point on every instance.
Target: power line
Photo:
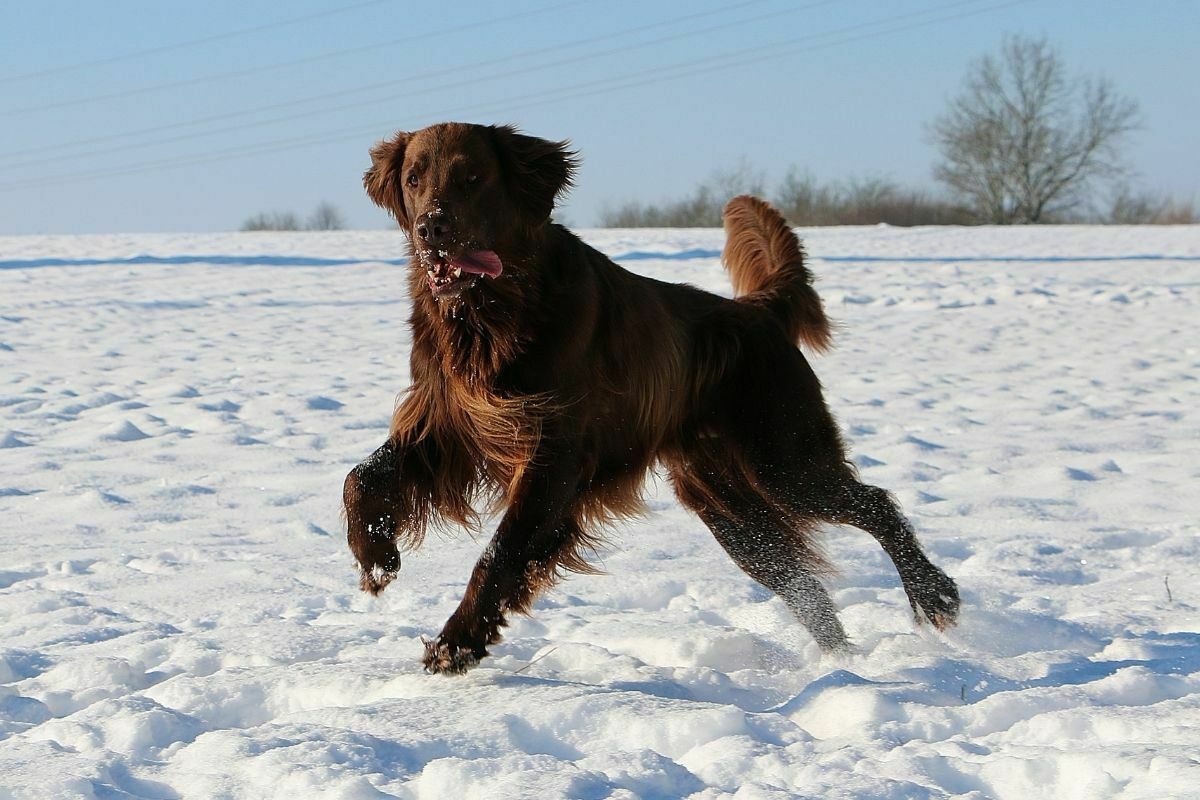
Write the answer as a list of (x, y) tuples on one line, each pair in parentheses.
[(190, 43), (730, 60), (491, 76), (683, 69), (384, 84), (242, 73)]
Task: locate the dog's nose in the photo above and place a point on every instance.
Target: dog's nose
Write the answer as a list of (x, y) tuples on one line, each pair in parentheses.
[(434, 228)]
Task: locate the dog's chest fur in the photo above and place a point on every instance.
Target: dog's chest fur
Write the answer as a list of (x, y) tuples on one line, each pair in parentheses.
[(486, 435)]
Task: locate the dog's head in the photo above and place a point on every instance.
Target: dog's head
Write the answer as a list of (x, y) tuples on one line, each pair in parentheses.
[(467, 196)]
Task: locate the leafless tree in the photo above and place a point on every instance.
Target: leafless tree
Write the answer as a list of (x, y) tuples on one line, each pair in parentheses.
[(274, 221), (1023, 142), (326, 218), (860, 201), (800, 197), (1144, 208), (702, 209)]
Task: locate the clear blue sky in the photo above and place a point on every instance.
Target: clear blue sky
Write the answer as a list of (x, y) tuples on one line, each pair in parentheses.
[(193, 116)]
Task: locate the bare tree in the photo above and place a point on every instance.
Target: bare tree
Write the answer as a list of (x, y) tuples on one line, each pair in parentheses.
[(804, 201), (1022, 142), (702, 209), (326, 218), (274, 221), (799, 197), (1143, 208), (859, 201)]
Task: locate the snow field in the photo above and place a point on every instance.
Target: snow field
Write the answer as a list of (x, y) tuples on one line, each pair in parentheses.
[(179, 614)]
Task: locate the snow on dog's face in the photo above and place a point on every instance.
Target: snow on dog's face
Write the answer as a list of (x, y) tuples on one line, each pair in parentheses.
[(466, 195)]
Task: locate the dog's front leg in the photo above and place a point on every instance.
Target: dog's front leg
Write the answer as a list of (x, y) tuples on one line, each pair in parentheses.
[(537, 532), (380, 497)]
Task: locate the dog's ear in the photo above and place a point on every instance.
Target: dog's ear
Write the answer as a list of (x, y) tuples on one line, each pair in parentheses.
[(537, 170), (383, 182)]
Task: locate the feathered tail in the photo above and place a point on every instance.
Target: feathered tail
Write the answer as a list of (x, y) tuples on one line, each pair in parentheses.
[(766, 262)]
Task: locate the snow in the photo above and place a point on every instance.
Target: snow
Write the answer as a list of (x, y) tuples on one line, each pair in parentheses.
[(179, 614)]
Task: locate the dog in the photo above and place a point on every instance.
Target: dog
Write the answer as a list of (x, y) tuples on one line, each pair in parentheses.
[(547, 381)]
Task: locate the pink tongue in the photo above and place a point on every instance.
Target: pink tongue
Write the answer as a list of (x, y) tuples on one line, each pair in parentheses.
[(480, 262)]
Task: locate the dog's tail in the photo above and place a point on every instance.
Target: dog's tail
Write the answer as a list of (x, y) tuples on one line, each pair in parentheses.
[(766, 262)]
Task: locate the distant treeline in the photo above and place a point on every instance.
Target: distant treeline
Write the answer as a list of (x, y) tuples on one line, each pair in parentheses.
[(326, 217), (806, 201)]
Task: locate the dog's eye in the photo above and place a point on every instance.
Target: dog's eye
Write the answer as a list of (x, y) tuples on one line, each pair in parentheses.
[(412, 179), (472, 179)]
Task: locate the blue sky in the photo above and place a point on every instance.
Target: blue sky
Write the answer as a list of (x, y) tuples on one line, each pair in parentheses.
[(132, 115)]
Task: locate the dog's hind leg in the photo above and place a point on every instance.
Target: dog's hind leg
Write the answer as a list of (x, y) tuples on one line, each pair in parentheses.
[(770, 546), (791, 444), (781, 561), (930, 591)]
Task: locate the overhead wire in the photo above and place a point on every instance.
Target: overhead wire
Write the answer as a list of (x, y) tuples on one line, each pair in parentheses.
[(190, 43), (489, 22), (427, 89), (489, 63), (729, 60)]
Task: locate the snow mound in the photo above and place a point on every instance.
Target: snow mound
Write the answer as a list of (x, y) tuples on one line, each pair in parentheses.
[(124, 431)]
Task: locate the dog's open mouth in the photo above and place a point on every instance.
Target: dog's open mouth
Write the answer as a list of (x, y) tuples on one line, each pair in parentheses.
[(450, 276)]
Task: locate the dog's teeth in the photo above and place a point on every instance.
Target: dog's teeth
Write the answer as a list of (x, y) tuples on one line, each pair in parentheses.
[(457, 273)]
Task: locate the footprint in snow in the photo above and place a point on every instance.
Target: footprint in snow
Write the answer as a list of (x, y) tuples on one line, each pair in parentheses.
[(10, 439), (322, 403)]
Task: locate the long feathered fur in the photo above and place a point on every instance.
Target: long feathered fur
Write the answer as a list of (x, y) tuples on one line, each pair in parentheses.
[(552, 390), (766, 263)]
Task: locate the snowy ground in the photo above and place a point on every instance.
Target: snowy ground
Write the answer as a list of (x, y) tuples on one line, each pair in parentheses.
[(178, 611)]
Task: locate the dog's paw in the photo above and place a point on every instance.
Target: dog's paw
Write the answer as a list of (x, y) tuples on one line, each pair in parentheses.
[(442, 658), (934, 597), (376, 579)]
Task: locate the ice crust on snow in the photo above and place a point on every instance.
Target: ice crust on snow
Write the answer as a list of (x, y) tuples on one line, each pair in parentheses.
[(179, 615)]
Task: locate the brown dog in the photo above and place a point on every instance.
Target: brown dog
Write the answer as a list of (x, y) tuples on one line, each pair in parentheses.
[(550, 380)]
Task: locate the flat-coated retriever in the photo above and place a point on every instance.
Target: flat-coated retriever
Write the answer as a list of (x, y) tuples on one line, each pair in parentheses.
[(547, 381)]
